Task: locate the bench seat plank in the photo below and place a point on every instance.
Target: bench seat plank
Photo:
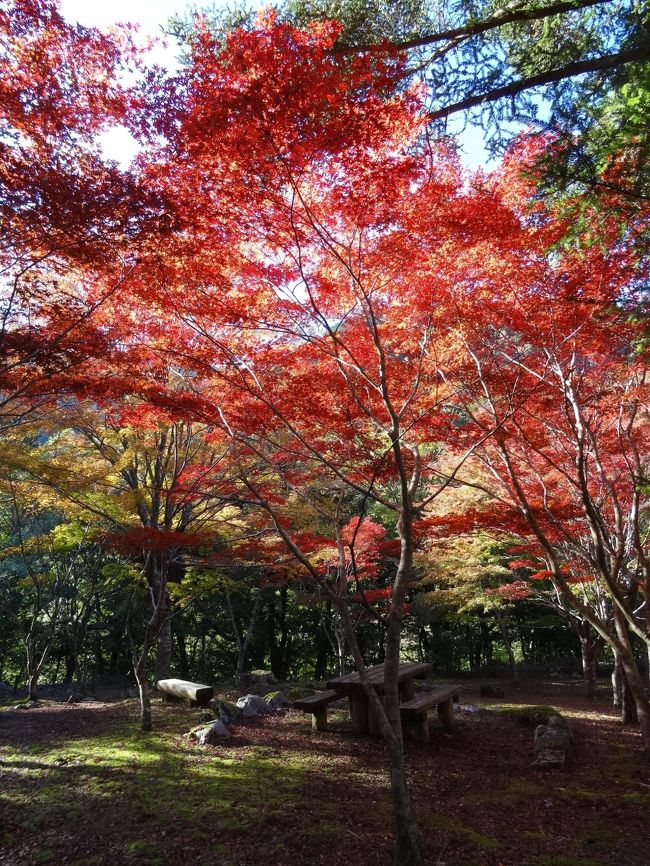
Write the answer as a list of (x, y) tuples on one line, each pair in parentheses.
[(317, 706), (318, 700), (414, 711), (425, 700)]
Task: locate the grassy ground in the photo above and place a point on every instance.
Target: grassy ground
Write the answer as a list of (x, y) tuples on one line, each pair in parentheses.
[(80, 785)]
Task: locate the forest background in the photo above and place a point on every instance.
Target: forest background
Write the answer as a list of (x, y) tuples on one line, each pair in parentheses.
[(292, 389)]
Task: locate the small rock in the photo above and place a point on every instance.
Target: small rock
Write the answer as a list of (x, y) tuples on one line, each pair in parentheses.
[(253, 705), (215, 734), (470, 708)]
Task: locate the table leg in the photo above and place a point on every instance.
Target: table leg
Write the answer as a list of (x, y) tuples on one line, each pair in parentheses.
[(373, 722), (406, 690), (359, 709)]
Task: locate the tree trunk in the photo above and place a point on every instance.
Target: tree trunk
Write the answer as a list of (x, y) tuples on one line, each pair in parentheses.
[(183, 660), (629, 714), (156, 574), (389, 721), (633, 679), (146, 723), (279, 650), (590, 647), (508, 646), (588, 667), (70, 666), (140, 670), (35, 668), (617, 683), (322, 652), (163, 664), (387, 713), (243, 644), (408, 838), (32, 686), (340, 648)]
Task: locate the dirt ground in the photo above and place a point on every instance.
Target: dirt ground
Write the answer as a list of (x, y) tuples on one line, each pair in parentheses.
[(81, 785)]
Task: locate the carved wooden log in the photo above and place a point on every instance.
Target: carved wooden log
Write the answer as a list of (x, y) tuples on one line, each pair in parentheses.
[(193, 693)]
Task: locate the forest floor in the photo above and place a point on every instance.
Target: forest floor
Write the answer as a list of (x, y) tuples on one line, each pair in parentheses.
[(79, 784)]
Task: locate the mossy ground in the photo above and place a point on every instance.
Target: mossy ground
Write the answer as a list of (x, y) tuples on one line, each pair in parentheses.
[(146, 795), (82, 786)]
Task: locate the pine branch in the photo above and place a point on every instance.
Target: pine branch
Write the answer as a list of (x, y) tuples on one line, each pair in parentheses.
[(571, 70), (474, 28)]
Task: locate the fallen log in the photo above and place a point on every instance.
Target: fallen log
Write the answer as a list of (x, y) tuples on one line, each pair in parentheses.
[(182, 690)]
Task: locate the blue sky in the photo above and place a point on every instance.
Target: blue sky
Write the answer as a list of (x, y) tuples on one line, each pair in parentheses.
[(151, 16)]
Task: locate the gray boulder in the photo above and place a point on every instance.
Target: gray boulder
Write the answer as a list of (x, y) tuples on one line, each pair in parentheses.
[(228, 712), (216, 734), (555, 735), (550, 759), (277, 700), (130, 692), (255, 679), (553, 743), (253, 705)]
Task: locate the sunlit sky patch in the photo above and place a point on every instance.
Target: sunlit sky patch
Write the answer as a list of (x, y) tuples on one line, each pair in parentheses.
[(152, 16)]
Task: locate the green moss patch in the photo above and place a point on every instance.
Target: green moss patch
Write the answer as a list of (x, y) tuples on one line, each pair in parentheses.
[(456, 829)]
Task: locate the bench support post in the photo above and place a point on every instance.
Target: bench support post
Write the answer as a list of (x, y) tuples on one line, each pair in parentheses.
[(319, 719), (359, 710), (420, 728), (446, 714)]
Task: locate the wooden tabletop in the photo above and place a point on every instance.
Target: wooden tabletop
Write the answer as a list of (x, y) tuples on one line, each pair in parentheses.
[(352, 682)]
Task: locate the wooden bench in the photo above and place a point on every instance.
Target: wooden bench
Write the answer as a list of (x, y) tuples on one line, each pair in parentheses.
[(195, 694), (414, 712), (317, 706)]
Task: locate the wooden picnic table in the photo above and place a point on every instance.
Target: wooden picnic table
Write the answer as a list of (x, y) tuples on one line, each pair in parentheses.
[(349, 685)]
